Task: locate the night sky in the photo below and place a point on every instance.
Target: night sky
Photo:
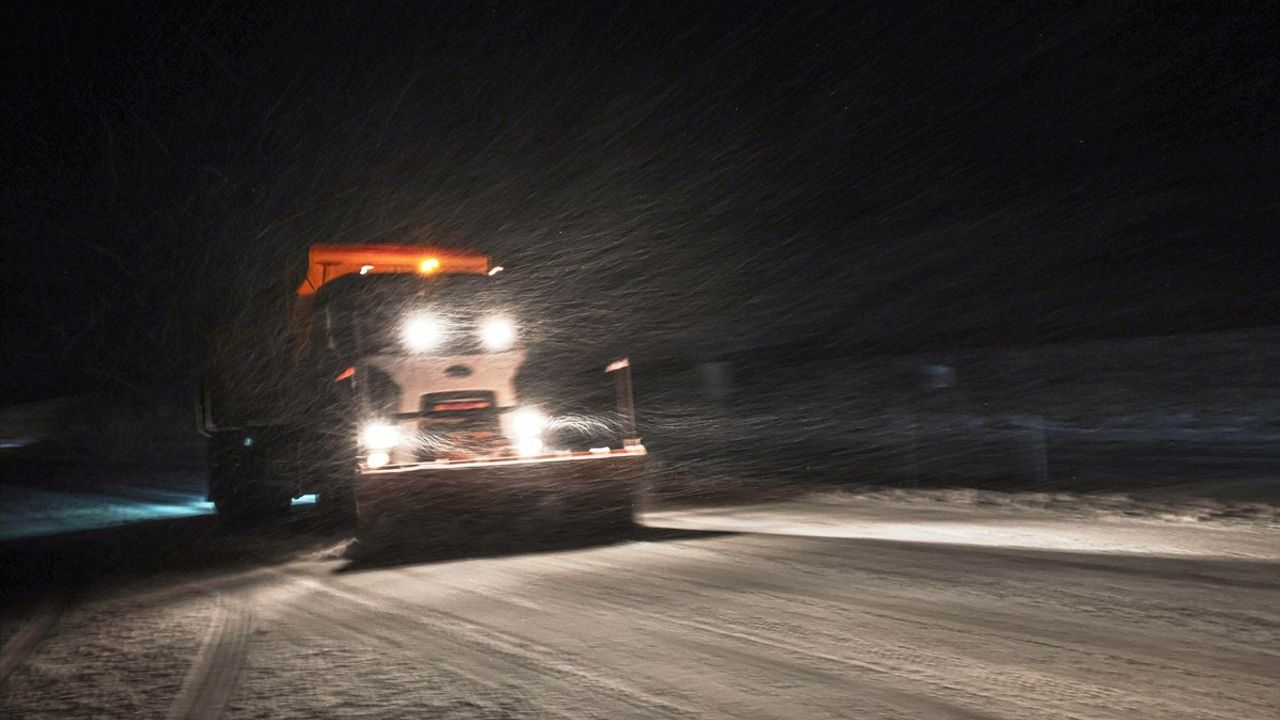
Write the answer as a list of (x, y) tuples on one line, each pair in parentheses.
[(683, 182)]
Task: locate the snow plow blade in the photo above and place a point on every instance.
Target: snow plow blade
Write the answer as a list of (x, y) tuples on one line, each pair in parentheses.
[(590, 491)]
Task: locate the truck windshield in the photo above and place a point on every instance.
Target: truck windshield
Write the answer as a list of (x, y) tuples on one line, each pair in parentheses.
[(404, 314)]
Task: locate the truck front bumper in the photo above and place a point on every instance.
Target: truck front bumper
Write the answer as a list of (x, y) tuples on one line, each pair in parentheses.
[(548, 484)]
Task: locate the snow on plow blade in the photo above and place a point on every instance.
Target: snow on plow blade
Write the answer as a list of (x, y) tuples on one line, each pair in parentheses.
[(589, 491)]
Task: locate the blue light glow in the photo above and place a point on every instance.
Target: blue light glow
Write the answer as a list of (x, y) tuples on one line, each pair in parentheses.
[(26, 511)]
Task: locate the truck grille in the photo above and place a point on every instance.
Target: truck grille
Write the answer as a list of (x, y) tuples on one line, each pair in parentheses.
[(459, 423)]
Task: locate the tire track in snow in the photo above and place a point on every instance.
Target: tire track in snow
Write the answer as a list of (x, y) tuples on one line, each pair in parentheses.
[(158, 597), (33, 632), (942, 674), (1115, 642), (782, 660), (484, 655), (888, 660), (211, 680)]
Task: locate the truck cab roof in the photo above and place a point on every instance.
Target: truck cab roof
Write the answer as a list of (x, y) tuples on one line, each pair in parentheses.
[(328, 262)]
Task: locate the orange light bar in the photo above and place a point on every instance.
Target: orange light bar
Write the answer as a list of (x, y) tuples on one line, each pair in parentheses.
[(326, 263)]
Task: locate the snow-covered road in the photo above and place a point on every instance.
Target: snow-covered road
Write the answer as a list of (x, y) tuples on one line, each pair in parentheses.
[(824, 607)]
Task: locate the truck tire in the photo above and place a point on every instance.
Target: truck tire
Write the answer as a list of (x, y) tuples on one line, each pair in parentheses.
[(337, 504), (238, 497), (240, 483), (250, 507)]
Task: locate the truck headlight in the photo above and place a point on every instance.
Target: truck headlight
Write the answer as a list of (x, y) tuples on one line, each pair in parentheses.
[(497, 333), (528, 423), (423, 332), (380, 436), (528, 447)]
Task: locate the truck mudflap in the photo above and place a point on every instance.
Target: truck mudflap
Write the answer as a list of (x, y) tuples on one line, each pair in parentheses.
[(585, 490)]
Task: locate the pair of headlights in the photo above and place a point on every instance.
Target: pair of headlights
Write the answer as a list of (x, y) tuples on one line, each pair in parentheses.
[(380, 438), (426, 332)]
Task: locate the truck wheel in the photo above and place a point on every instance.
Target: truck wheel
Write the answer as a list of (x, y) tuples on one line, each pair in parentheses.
[(239, 487), (250, 507), (337, 503)]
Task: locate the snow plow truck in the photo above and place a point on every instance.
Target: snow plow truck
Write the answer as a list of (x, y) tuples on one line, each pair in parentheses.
[(393, 397)]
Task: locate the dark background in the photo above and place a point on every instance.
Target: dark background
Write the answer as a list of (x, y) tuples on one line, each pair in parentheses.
[(670, 181)]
